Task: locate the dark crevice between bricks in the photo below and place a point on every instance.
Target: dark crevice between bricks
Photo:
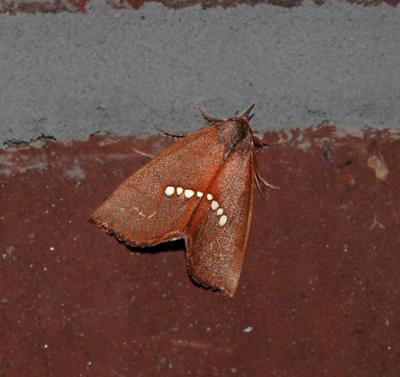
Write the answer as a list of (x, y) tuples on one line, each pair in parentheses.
[(40, 138)]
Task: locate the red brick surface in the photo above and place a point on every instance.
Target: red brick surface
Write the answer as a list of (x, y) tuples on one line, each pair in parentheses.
[(318, 296), (56, 6)]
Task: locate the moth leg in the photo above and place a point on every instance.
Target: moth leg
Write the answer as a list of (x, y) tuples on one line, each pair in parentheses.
[(258, 143), (209, 118), (265, 183), (259, 179), (178, 136), (144, 154), (259, 188)]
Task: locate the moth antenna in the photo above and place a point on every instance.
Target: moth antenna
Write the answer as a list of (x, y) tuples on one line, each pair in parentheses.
[(171, 134), (209, 118), (246, 115)]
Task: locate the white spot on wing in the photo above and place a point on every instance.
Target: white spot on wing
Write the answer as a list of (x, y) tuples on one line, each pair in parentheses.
[(222, 220), (189, 193), (169, 190), (214, 205)]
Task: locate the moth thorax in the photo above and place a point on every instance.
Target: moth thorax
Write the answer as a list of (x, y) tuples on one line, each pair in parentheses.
[(236, 135)]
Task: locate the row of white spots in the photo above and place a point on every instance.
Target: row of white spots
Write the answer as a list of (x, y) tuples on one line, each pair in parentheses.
[(170, 190)]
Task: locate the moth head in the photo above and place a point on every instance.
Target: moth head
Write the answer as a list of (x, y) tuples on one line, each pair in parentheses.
[(245, 117), (236, 133)]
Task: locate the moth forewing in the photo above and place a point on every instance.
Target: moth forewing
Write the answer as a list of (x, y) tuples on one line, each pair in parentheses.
[(141, 212), (216, 237)]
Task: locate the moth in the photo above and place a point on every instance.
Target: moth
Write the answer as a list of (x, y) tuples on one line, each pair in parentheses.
[(200, 189)]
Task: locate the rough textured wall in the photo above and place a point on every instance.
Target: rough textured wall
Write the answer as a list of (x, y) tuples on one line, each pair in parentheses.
[(319, 291)]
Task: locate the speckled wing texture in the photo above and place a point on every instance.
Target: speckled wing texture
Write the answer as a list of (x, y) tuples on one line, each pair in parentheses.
[(140, 212), (217, 236)]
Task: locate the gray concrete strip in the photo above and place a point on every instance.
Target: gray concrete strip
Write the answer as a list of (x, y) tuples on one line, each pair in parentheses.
[(68, 75)]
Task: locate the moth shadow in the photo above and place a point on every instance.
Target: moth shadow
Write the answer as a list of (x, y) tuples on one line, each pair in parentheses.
[(164, 247)]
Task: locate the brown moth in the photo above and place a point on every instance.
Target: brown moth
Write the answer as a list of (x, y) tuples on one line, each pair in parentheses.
[(199, 189)]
